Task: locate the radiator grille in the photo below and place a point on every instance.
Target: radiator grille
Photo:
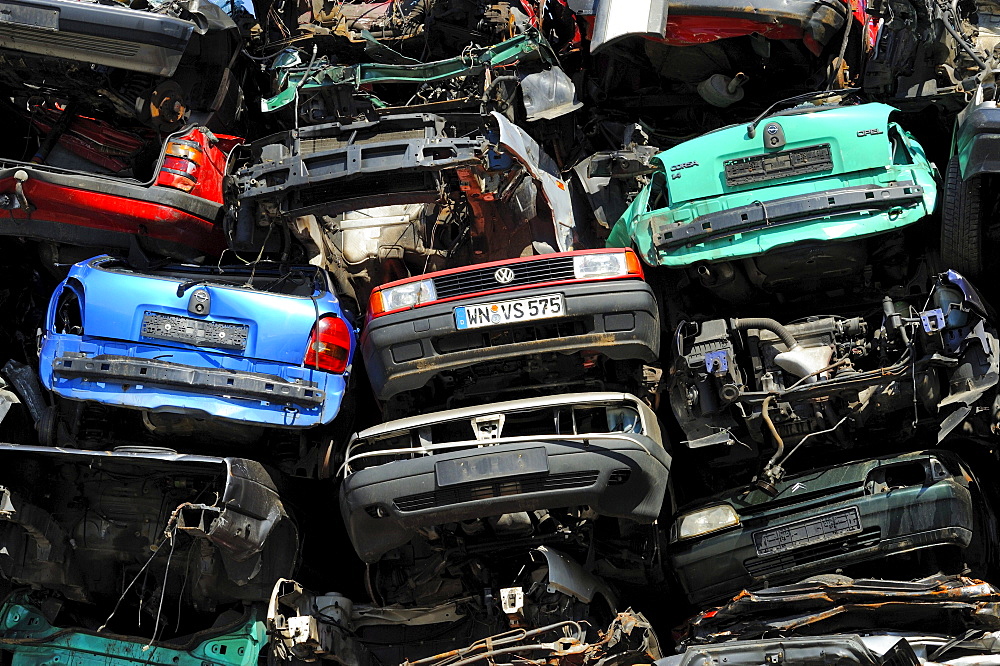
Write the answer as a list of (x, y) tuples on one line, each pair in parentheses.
[(531, 272), (500, 488)]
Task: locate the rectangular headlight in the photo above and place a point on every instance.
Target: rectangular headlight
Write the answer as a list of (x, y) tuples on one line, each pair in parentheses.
[(705, 521), (587, 266), (407, 295)]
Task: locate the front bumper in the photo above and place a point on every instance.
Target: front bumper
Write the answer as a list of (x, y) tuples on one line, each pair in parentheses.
[(95, 211), (719, 566), (617, 475), (616, 318), (198, 383), (978, 141), (113, 36)]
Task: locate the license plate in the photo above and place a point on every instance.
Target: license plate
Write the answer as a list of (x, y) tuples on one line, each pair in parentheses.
[(508, 312), (761, 168), (26, 15), (194, 331), (822, 528), (491, 466)]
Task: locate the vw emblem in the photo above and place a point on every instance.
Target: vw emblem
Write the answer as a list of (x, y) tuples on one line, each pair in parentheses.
[(771, 129), (504, 275)]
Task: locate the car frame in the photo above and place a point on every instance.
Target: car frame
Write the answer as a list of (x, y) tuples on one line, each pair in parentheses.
[(385, 504), (416, 327), (826, 175), (108, 347), (846, 514)]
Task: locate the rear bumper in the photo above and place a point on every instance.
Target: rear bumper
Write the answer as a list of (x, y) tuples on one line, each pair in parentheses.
[(404, 350), (384, 506), (617, 20), (141, 41), (717, 567), (198, 383), (94, 211)]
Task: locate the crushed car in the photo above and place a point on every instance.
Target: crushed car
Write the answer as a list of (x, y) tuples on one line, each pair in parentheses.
[(84, 528), (970, 202), (938, 614), (537, 324), (240, 354), (320, 90), (919, 365), (808, 200), (823, 520), (521, 467), (542, 592), (376, 200), (128, 115), (707, 64), (30, 634)]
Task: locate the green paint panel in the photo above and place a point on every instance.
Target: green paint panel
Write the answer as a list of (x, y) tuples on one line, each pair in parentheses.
[(26, 633), (530, 46)]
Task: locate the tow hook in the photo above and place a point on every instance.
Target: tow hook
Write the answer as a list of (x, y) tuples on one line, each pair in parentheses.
[(18, 199), (21, 176)]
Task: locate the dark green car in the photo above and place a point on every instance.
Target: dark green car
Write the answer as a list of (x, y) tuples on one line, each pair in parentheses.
[(820, 521)]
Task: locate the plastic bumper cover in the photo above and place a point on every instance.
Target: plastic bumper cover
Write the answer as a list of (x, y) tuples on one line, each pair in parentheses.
[(620, 475)]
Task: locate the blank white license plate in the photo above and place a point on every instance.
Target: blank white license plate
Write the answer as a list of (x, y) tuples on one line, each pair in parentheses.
[(508, 312)]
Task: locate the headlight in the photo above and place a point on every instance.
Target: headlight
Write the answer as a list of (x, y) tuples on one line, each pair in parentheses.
[(703, 521), (600, 265), (404, 296)]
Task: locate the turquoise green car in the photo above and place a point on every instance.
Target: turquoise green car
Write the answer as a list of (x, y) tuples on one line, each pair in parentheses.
[(33, 640), (808, 174)]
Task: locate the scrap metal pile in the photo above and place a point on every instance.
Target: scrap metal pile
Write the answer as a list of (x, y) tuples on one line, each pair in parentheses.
[(520, 332)]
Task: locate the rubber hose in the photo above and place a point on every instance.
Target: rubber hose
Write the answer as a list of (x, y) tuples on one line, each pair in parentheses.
[(768, 325)]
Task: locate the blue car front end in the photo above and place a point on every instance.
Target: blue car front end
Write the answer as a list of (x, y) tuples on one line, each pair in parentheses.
[(245, 345)]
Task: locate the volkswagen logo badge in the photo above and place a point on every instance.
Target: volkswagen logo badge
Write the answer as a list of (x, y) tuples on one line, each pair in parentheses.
[(504, 275), (771, 129)]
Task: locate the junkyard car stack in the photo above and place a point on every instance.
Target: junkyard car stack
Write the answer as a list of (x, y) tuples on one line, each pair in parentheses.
[(669, 339)]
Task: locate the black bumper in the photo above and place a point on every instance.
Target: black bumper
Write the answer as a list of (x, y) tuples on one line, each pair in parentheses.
[(621, 476), (220, 381), (978, 142), (404, 350), (719, 566), (114, 36)]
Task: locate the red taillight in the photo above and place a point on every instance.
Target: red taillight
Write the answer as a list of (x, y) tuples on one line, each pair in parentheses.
[(329, 345), (181, 160)]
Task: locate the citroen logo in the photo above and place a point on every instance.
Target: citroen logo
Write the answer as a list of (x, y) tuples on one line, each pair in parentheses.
[(797, 487), (504, 275)]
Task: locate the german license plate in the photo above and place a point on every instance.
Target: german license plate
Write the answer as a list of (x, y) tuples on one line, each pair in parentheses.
[(508, 312), (787, 163), (491, 466), (806, 532), (194, 331)]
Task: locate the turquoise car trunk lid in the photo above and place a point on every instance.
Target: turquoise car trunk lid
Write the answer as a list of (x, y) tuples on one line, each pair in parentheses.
[(856, 137)]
